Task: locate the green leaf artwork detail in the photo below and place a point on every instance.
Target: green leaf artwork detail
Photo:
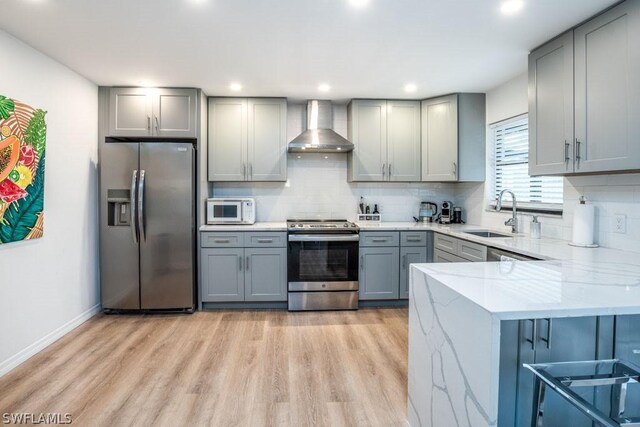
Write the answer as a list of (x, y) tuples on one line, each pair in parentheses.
[(21, 216), (36, 132), (6, 107)]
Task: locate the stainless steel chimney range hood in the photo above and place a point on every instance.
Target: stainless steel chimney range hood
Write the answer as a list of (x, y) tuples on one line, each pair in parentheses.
[(319, 137)]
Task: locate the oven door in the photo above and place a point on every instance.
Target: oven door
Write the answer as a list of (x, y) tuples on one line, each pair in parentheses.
[(224, 211), (323, 262)]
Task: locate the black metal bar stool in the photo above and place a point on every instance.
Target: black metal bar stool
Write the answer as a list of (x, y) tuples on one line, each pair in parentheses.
[(562, 377)]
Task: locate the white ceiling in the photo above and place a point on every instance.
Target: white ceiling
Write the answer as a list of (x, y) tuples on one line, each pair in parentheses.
[(288, 47)]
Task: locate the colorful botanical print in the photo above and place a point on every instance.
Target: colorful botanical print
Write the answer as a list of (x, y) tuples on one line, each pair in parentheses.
[(23, 134)]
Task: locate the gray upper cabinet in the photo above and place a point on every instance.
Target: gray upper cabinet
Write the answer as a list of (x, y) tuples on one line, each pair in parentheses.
[(247, 139), (379, 273), (267, 139), (165, 112), (368, 132), (266, 274), (551, 107), (174, 113), (454, 138), (386, 135), (403, 140), (129, 112), (607, 88)]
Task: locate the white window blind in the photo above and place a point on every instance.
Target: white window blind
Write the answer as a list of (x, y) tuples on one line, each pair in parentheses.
[(511, 156)]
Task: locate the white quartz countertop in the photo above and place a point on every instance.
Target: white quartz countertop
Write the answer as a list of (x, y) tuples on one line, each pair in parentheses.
[(522, 290), (258, 226)]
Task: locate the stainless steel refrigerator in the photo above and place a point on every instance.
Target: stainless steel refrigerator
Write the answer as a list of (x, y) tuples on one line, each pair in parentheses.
[(147, 220)]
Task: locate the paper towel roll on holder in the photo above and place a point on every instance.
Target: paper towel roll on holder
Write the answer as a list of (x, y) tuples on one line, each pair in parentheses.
[(583, 225)]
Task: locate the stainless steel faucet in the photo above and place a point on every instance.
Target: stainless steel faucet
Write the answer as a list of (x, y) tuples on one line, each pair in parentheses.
[(513, 221)]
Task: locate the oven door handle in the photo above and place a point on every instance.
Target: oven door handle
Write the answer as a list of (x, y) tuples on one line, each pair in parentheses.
[(324, 237)]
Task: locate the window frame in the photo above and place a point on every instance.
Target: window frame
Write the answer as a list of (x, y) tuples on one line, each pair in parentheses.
[(536, 208)]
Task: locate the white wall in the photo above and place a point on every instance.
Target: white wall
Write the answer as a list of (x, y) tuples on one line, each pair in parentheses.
[(49, 285), (317, 185), (611, 194)]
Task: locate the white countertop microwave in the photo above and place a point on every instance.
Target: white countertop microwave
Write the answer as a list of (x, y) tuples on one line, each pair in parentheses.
[(231, 211)]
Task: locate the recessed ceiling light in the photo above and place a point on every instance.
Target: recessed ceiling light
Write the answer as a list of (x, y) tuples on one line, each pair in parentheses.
[(236, 87), (323, 87), (511, 7), (410, 87), (359, 3)]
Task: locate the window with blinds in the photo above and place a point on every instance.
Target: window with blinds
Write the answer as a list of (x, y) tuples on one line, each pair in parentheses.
[(511, 160)]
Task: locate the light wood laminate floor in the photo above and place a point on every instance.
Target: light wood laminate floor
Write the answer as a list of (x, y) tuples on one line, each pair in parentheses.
[(222, 368)]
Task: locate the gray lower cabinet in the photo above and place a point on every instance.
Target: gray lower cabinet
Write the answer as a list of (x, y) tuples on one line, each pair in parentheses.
[(222, 274), (379, 273), (544, 341), (266, 274), (243, 266), (409, 255)]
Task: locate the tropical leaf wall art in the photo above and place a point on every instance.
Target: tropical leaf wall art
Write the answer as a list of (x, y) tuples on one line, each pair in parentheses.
[(23, 135)]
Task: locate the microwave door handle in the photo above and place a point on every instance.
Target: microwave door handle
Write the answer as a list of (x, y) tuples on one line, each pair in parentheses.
[(132, 206), (141, 212)]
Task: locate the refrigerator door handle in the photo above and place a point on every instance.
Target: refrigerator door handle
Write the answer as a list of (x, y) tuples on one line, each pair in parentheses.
[(141, 213), (132, 206)]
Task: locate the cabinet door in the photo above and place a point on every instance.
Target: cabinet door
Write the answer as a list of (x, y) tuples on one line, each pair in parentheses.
[(174, 113), (408, 256), (403, 140), (440, 139), (368, 132), (556, 340), (267, 139), (227, 139), (222, 274), (441, 256), (379, 273), (266, 274), (607, 84), (129, 112), (551, 107)]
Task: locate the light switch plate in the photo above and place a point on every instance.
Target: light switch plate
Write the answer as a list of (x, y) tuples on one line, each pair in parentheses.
[(620, 223)]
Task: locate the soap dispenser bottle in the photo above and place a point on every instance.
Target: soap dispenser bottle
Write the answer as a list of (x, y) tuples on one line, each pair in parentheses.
[(535, 228)]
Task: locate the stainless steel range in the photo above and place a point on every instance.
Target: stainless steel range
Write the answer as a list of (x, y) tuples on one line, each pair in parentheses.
[(323, 265)]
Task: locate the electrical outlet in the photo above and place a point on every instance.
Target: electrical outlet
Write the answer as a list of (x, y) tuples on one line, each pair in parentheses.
[(620, 223)]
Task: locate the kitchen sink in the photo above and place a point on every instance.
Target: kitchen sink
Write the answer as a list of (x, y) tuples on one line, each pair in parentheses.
[(486, 233)]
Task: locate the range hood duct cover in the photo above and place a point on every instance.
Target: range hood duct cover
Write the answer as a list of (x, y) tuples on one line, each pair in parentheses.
[(319, 137)]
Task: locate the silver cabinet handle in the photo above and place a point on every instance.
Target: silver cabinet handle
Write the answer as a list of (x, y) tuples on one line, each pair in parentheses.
[(547, 340), (404, 262), (578, 156), (383, 171), (389, 170), (222, 240), (157, 124), (413, 239), (240, 263), (141, 213), (455, 169), (248, 262), (265, 240), (250, 170), (534, 333), (132, 206), (566, 151), (148, 122), (244, 171), (361, 262), (379, 240)]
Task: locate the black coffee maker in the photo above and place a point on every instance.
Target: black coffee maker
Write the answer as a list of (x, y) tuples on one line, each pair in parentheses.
[(456, 217)]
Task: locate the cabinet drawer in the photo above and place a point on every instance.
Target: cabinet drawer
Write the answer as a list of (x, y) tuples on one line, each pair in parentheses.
[(445, 243), (413, 238), (222, 240), (472, 251), (265, 240), (441, 256), (379, 238)]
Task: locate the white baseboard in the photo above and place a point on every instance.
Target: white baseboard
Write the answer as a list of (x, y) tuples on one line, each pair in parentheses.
[(42, 343)]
